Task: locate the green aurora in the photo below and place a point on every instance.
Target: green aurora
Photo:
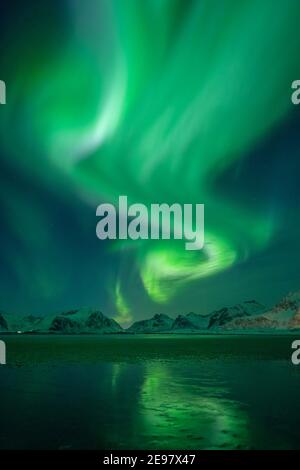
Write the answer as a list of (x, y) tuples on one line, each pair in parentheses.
[(162, 101)]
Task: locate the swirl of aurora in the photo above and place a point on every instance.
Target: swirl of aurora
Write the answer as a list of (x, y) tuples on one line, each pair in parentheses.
[(162, 101)]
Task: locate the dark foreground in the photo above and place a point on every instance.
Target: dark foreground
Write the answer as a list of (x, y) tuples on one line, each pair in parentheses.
[(149, 392)]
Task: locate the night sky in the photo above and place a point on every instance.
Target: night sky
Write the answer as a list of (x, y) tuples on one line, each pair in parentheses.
[(162, 101)]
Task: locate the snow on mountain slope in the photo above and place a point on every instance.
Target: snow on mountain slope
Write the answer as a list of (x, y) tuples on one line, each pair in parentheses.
[(156, 324), (191, 322), (226, 315)]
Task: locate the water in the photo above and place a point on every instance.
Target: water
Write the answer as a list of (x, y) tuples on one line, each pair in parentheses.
[(149, 392)]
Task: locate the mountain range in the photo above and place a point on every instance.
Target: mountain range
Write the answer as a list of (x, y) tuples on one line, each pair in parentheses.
[(84, 320), (246, 317)]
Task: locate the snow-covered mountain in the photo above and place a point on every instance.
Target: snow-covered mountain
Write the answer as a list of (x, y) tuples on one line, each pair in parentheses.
[(283, 316), (225, 315), (191, 322), (157, 324), (287, 311), (83, 320), (249, 316)]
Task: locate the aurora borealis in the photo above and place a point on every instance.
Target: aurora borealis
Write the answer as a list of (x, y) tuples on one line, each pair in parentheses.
[(163, 101)]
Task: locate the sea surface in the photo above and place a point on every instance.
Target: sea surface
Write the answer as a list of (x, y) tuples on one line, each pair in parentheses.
[(149, 392)]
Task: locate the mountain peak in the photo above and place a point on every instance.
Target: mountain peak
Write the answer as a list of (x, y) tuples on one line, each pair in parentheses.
[(227, 314), (249, 315), (158, 323)]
